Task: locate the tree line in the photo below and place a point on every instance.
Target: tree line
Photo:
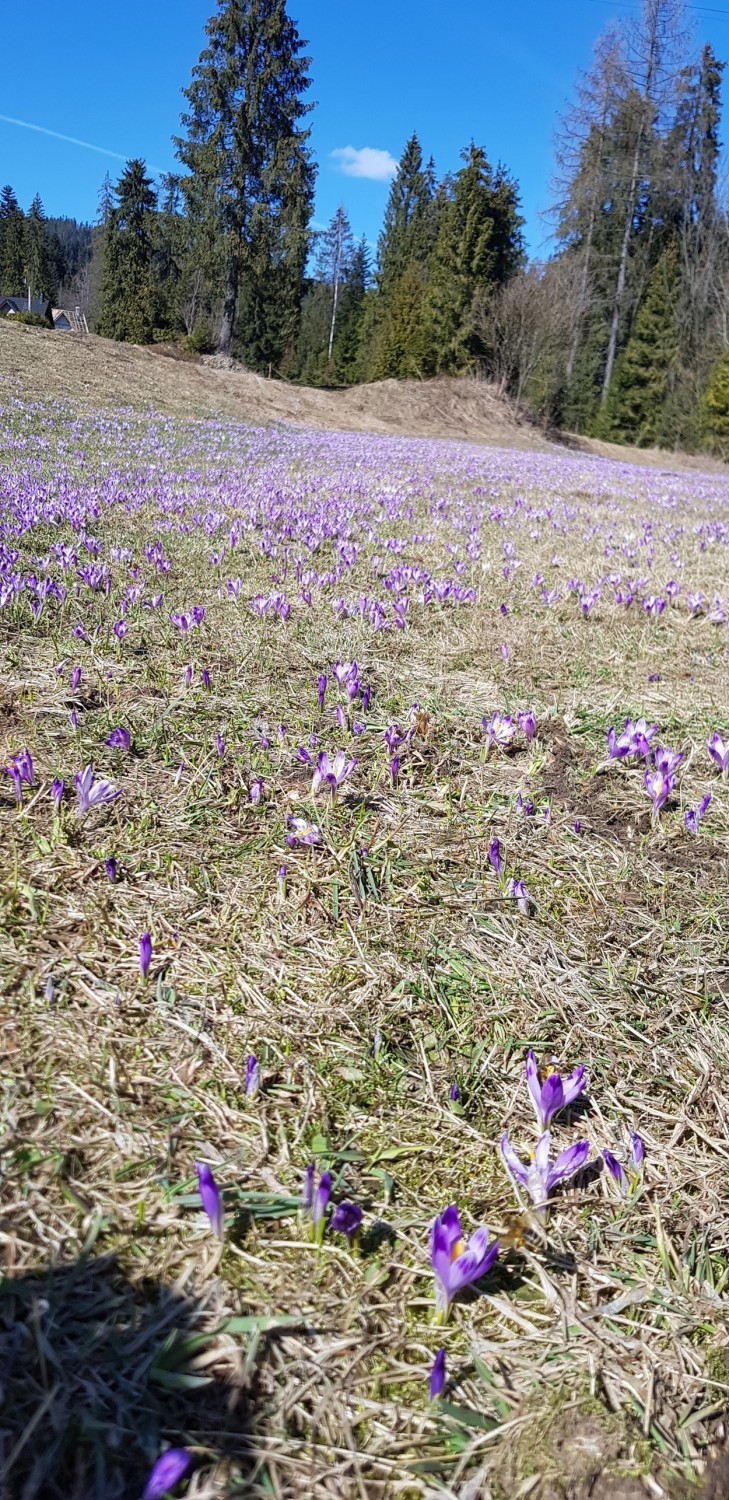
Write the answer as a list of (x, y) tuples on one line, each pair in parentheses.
[(622, 332)]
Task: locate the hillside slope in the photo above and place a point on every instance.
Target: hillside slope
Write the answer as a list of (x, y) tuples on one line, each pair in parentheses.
[(43, 365)]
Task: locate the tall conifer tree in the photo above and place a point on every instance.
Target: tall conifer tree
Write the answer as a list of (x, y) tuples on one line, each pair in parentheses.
[(246, 150), (129, 293), (12, 246)]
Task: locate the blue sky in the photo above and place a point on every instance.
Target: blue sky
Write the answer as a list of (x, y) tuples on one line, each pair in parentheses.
[(497, 72)]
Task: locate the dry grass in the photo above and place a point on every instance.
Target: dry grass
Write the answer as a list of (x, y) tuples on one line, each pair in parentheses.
[(592, 1363)]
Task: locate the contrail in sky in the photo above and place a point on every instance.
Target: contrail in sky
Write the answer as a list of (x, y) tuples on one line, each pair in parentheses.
[(72, 140)]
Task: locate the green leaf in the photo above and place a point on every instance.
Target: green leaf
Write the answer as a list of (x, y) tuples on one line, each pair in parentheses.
[(259, 1323)]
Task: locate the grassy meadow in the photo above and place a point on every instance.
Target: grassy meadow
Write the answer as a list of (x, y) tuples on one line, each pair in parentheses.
[(485, 880)]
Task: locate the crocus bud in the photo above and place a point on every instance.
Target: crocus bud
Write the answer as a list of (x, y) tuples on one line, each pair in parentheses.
[(211, 1196), (496, 857), (145, 954), (321, 689), (169, 1470), (438, 1375), (253, 1076), (111, 872)]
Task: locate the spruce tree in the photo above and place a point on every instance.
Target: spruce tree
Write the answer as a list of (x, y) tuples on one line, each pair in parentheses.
[(38, 267), (639, 406), (478, 249), (129, 297), (246, 150), (12, 245), (346, 369), (408, 232)]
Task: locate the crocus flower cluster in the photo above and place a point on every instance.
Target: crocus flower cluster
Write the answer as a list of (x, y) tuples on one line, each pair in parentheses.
[(550, 1094), (633, 742), (21, 773)]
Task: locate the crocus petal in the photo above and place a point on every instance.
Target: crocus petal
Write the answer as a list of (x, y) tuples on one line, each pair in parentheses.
[(573, 1085), (438, 1375), (637, 1149), (169, 1470), (568, 1162), (616, 1171), (475, 1262), (533, 1084), (553, 1099), (515, 1166)]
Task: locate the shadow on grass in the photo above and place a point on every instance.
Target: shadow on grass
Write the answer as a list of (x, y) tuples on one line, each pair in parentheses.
[(97, 1378)]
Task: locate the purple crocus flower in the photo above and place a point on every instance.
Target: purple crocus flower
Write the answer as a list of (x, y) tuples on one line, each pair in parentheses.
[(555, 1094), (220, 745), (455, 1263), (527, 723), (174, 1465), (119, 739), (302, 832), (347, 1220), (91, 793), (695, 818), (528, 808), (659, 788), (205, 679), (188, 675), (394, 769), (145, 954), (718, 749), (255, 791), (616, 1171), (455, 1093), (496, 857), (321, 689), (75, 678), (57, 792), (619, 746), (120, 629), (500, 730), (625, 1180), (212, 1198), (667, 761), (341, 717), (331, 773), (537, 1176), (518, 891), (438, 1375), (366, 697), (111, 870), (253, 1076), (281, 882)]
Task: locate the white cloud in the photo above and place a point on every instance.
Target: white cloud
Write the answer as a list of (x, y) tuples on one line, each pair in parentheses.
[(376, 166)]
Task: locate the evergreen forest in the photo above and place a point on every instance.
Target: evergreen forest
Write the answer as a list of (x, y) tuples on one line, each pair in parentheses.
[(622, 332)]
